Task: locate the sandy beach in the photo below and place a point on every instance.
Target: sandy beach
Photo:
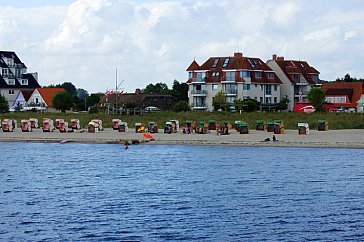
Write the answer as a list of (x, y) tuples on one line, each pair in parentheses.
[(291, 138)]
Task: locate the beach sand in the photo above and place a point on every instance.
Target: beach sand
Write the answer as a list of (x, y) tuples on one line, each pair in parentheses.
[(291, 138)]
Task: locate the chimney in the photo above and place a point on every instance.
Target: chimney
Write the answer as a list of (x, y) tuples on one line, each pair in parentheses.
[(137, 91), (274, 57), (280, 58), (238, 55)]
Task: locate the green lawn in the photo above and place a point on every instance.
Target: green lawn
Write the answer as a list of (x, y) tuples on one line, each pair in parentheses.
[(290, 119)]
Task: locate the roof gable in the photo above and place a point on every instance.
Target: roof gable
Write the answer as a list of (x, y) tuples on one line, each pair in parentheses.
[(354, 90), (48, 93), (193, 66)]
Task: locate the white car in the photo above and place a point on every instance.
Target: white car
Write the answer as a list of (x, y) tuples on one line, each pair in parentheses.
[(151, 109)]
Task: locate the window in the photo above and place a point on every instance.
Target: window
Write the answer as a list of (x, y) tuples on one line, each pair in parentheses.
[(214, 86), (275, 87), (200, 76), (275, 99), (11, 92), (258, 74), (261, 87), (216, 74), (302, 65), (24, 82), (225, 62), (270, 75), (261, 99), (255, 85), (246, 97), (268, 100), (296, 78), (246, 87), (5, 72), (250, 62), (17, 72), (189, 74), (268, 90), (11, 82), (215, 63), (230, 76), (245, 74)]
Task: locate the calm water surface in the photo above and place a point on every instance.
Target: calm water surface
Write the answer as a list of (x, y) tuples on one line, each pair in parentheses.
[(76, 192)]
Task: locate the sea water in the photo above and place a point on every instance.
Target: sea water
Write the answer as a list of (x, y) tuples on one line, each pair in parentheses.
[(92, 192)]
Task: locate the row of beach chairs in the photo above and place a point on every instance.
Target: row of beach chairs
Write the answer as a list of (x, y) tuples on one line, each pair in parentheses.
[(171, 126)]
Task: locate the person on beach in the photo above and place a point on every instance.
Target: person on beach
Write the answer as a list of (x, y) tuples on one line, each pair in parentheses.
[(274, 138)]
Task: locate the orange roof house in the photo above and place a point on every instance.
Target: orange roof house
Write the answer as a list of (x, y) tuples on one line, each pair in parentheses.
[(345, 95), (42, 97)]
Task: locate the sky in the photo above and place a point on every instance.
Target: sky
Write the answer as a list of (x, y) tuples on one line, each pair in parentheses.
[(86, 41)]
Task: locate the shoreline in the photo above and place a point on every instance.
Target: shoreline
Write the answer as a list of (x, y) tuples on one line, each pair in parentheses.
[(349, 138)]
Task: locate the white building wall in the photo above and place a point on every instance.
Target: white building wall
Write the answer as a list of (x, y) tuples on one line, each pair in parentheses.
[(287, 88)]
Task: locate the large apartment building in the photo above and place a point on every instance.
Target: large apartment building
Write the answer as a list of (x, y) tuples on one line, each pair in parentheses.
[(14, 77), (238, 77), (298, 77)]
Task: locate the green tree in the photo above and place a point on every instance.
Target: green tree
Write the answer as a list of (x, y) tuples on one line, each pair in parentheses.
[(219, 102), (283, 104), (180, 90), (4, 106), (158, 88), (316, 96), (70, 88), (93, 99), (181, 106), (62, 101), (81, 93), (248, 105)]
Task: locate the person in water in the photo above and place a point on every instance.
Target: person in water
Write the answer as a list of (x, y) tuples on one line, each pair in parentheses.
[(126, 144)]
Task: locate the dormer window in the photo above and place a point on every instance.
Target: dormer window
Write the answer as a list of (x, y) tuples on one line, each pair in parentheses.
[(24, 82), (258, 74), (189, 74), (270, 75), (11, 82)]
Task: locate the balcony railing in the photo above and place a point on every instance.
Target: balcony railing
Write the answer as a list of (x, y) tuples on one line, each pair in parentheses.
[(194, 79), (230, 91), (199, 92)]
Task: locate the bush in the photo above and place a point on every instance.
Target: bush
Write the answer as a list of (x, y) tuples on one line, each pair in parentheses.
[(93, 109), (181, 106)]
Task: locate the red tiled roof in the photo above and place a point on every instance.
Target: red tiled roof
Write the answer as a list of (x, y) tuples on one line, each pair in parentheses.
[(48, 93), (236, 62), (194, 66), (353, 90), (298, 67)]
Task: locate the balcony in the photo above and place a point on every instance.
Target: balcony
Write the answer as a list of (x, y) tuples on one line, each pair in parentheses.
[(199, 92), (232, 92), (198, 80)]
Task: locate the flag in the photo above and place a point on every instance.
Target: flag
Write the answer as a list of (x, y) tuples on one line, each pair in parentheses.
[(301, 96)]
